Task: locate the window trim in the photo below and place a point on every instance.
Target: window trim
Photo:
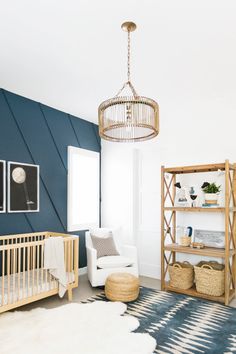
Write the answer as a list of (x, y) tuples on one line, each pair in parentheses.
[(84, 226)]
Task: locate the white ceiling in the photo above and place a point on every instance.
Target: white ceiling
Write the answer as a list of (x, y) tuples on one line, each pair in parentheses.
[(71, 54)]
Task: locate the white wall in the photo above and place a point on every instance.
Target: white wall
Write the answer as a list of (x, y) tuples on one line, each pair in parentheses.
[(193, 78), (192, 132), (117, 190)]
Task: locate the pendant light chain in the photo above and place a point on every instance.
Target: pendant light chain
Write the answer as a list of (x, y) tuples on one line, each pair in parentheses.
[(128, 82), (128, 68), (128, 58)]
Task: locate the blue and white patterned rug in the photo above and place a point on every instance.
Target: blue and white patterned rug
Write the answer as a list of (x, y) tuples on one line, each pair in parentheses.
[(182, 324)]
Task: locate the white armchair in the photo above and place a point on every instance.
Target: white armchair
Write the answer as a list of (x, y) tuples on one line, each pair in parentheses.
[(100, 268)]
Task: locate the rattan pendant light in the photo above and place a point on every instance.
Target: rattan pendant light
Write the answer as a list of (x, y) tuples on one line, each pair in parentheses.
[(128, 118)]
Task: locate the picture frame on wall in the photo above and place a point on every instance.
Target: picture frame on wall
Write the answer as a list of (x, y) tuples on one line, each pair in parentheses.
[(2, 186), (23, 188)]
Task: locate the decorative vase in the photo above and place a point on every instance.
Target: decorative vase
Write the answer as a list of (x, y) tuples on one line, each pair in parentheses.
[(211, 198)]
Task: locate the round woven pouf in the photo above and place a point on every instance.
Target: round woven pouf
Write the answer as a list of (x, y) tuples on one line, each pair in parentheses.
[(122, 287)]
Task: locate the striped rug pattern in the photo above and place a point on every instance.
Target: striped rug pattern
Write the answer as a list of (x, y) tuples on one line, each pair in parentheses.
[(182, 324)]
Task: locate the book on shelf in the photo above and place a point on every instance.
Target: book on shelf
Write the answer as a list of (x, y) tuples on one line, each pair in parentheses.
[(209, 205)]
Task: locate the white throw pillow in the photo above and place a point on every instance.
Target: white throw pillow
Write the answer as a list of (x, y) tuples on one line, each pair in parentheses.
[(114, 262)]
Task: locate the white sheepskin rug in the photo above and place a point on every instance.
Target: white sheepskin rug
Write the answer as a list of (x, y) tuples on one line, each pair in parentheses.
[(95, 328)]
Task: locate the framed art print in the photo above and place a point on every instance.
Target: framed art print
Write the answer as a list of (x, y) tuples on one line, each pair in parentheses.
[(2, 186), (210, 238), (23, 187)]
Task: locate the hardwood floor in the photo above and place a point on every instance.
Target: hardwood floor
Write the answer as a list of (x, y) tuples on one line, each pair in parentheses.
[(85, 290)]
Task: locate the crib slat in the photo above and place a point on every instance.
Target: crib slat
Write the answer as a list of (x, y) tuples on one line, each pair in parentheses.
[(37, 268), (11, 259), (28, 265), (46, 277), (65, 256), (19, 272), (42, 258), (31, 261), (76, 259), (33, 270), (23, 290), (13, 272), (72, 257), (3, 276), (28, 270), (8, 275), (11, 269), (68, 259)]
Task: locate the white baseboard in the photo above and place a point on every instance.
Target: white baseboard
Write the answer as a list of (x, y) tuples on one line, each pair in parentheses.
[(83, 271), (145, 269), (150, 270)]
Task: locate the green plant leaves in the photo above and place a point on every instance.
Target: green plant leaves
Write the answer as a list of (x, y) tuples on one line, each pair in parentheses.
[(211, 188)]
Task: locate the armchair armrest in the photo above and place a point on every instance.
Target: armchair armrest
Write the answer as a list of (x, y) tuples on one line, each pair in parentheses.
[(91, 257)]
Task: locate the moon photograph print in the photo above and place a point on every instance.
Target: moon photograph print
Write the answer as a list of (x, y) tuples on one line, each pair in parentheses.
[(2, 186), (23, 187)]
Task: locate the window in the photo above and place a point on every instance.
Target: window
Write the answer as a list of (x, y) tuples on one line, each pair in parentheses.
[(83, 189)]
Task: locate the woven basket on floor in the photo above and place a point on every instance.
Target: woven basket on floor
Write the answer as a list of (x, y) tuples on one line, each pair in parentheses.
[(210, 278), (181, 275)]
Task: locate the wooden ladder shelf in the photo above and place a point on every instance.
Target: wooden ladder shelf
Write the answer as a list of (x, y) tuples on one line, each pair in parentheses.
[(168, 227)]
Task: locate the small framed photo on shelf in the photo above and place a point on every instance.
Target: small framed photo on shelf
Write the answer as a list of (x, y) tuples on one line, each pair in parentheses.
[(2, 186), (23, 187), (210, 238), (182, 197)]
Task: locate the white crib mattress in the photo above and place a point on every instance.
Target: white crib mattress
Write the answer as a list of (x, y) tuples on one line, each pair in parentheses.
[(19, 288)]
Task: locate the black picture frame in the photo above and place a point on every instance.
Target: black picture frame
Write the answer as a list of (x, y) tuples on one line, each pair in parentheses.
[(23, 188), (2, 186)]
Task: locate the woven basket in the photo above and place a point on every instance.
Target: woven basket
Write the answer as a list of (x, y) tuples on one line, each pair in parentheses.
[(185, 241), (181, 275), (209, 278)]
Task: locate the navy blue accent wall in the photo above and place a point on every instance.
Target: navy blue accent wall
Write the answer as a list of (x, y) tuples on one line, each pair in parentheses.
[(34, 133)]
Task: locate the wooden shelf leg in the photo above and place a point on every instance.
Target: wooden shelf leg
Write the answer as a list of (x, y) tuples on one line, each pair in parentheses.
[(174, 217), (227, 282), (162, 229), (234, 228)]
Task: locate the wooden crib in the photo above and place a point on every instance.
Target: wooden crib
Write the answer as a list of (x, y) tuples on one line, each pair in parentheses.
[(23, 279)]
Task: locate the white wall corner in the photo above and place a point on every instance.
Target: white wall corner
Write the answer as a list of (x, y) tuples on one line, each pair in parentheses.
[(150, 270), (83, 271)]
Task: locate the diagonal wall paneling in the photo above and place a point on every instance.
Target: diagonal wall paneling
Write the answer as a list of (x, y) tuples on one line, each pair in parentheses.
[(34, 133)]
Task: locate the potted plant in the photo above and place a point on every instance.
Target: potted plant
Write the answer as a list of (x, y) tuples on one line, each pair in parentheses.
[(211, 191)]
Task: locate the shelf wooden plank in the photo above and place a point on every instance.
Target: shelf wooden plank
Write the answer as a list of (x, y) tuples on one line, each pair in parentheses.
[(206, 251), (194, 209), (195, 168), (198, 168), (193, 292)]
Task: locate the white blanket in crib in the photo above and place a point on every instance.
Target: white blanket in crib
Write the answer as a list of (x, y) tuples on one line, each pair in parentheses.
[(18, 286), (54, 261)]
